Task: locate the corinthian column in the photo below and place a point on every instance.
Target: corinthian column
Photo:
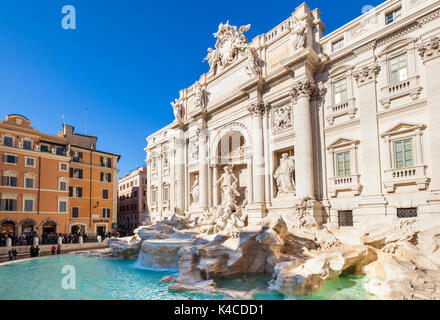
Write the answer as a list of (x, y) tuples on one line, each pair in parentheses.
[(430, 53), (203, 170), (180, 170), (256, 110), (301, 92)]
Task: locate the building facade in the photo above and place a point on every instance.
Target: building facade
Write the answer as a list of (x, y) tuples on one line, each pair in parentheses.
[(132, 200), (46, 187), (343, 126)]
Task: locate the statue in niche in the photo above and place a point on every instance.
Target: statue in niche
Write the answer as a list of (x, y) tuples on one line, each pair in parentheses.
[(228, 182), (299, 31), (284, 175), (282, 119), (195, 190)]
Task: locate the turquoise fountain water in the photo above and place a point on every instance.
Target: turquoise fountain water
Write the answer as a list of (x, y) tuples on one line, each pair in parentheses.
[(98, 278)]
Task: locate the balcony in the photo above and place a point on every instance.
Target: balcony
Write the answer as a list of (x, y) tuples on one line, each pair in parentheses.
[(400, 89), (337, 110), (347, 183), (406, 176)]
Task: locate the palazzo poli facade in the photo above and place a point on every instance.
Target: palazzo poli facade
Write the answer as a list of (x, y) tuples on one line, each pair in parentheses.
[(344, 126)]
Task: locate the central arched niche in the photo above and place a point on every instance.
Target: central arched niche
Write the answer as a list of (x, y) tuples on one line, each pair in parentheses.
[(230, 151)]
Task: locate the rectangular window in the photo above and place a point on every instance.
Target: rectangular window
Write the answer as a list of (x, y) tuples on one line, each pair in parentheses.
[(76, 173), (8, 141), (398, 67), (104, 194), (8, 205), (345, 218), (30, 162), (27, 144), (406, 212), (63, 166), (403, 154), (75, 212), (62, 205), (340, 91), (106, 177), (105, 212), (28, 205), (337, 45), (75, 192), (29, 183), (60, 151), (154, 195), (63, 185), (44, 148), (165, 194), (77, 156), (9, 181), (106, 162), (393, 16), (343, 164), (7, 158)]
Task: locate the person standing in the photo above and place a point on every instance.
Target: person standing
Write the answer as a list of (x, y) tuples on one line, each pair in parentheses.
[(32, 251), (14, 253), (53, 249), (10, 257), (59, 249), (37, 251)]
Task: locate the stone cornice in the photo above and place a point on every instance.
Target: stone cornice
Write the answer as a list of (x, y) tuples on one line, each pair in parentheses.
[(430, 49)]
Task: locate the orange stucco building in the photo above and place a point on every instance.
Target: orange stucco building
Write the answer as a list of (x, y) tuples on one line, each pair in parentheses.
[(54, 183)]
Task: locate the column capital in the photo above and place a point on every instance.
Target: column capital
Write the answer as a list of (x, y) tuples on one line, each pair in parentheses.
[(366, 74), (256, 109), (303, 88), (430, 49)]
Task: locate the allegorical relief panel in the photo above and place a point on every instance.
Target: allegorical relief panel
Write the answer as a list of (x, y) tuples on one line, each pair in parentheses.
[(282, 118)]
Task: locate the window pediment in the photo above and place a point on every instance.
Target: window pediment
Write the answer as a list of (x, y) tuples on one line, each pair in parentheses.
[(402, 127), (340, 70), (399, 44), (342, 142), (9, 173)]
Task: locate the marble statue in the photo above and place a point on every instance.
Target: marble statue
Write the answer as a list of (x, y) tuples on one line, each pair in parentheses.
[(213, 60), (299, 31), (177, 109), (284, 175), (228, 182), (199, 96), (252, 66), (195, 190), (231, 43)]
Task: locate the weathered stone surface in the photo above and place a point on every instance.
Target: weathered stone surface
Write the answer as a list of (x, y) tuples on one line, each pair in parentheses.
[(127, 248), (308, 278), (161, 253)]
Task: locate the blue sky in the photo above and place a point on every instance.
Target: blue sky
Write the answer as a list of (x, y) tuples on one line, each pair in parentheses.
[(124, 63)]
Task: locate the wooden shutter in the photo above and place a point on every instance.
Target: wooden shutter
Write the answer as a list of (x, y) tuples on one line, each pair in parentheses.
[(71, 172), (70, 191), (80, 173), (102, 176)]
